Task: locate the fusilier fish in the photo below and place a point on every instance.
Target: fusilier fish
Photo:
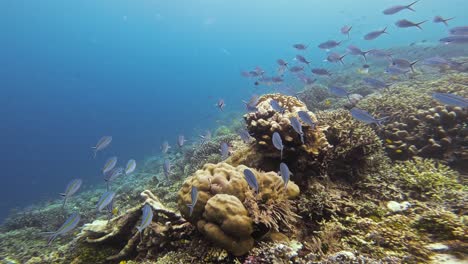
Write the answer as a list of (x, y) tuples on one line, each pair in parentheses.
[(285, 173), (103, 143), (194, 197), (296, 125), (404, 23), (131, 166), (439, 19), (329, 44), (112, 175), (146, 218), (365, 117), (66, 227), (71, 189), (275, 105), (305, 117), (105, 200), (278, 142), (354, 50), (451, 99), (375, 34), (251, 179), (395, 9), (224, 150), (109, 165)]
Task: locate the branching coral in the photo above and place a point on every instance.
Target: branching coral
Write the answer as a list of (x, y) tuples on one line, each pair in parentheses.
[(227, 211)]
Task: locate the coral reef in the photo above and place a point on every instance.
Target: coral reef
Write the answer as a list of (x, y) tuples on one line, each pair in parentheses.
[(228, 212)]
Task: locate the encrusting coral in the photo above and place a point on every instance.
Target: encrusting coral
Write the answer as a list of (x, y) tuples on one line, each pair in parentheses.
[(228, 212)]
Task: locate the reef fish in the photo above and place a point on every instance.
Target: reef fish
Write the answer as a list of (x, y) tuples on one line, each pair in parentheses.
[(278, 142), (71, 189), (375, 83), (66, 227), (167, 168), (392, 70), (329, 44), (455, 40), (338, 91), (109, 165), (345, 30), (245, 136), (165, 147), (146, 218), (251, 105), (205, 137), (131, 166), (321, 71), (282, 63), (451, 99), (300, 46), (224, 150), (105, 200), (404, 23), (112, 175), (354, 50), (365, 117), (285, 173), (305, 117), (463, 30), (395, 9), (103, 143), (296, 69), (181, 140), (194, 196), (404, 64), (275, 105), (375, 34), (307, 80), (334, 57), (251, 179), (302, 59), (439, 19), (220, 104), (296, 125)]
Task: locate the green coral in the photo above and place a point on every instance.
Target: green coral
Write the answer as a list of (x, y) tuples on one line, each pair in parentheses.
[(441, 224)]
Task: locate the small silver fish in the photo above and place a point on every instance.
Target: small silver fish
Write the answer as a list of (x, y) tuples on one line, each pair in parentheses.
[(112, 175), (439, 19), (321, 71), (194, 196), (146, 218), (354, 50), (181, 140), (451, 99), (278, 142), (71, 189), (165, 147), (109, 165), (300, 46), (375, 34), (224, 150), (334, 57), (404, 23), (66, 227), (330, 44), (105, 200), (395, 9), (345, 30), (103, 143), (131, 166), (296, 125), (302, 59), (305, 117), (365, 117), (245, 136), (251, 179), (275, 105), (284, 173)]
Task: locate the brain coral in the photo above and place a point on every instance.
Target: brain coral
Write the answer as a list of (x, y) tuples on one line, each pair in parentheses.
[(224, 211)]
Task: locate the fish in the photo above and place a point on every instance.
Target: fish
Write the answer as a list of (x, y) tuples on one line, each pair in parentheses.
[(71, 189), (285, 174), (220, 104), (245, 136), (112, 175), (439, 19), (224, 150), (167, 168), (275, 105), (296, 69), (334, 57), (305, 117), (251, 105), (302, 59), (404, 23), (455, 40), (321, 72), (345, 30), (103, 143), (278, 143), (165, 147), (131, 166), (277, 79), (70, 224), (329, 44), (380, 53), (353, 50), (109, 165), (205, 137), (463, 30), (105, 200), (392, 70), (395, 9), (282, 63), (375, 34), (451, 99), (245, 74), (306, 80), (300, 46), (146, 218), (181, 140), (404, 64), (338, 91), (194, 196), (365, 117), (251, 179), (296, 125), (375, 83)]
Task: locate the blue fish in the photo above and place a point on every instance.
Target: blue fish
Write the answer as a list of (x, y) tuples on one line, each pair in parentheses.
[(305, 117), (459, 31), (275, 105), (278, 142), (297, 127), (109, 165), (131, 166), (251, 105), (251, 179), (365, 117), (194, 196), (296, 69), (71, 189), (375, 83), (112, 175), (451, 99), (146, 218), (224, 150), (395, 9), (338, 91), (455, 40), (375, 34), (285, 173), (66, 227), (103, 143), (245, 136), (105, 200), (181, 140)]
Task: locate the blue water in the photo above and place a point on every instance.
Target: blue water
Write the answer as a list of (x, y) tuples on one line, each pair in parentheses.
[(145, 71)]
